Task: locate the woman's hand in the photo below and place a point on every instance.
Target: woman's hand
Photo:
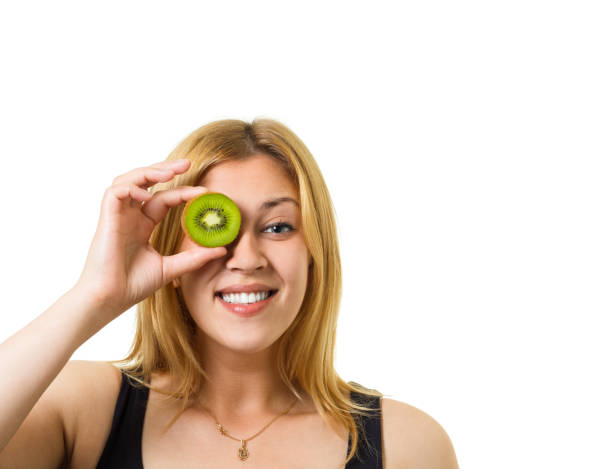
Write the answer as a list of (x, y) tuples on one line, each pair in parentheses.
[(122, 268)]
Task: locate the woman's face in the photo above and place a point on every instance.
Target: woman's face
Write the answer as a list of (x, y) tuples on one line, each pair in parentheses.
[(269, 250)]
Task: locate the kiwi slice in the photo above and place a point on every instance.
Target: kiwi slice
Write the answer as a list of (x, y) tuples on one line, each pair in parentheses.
[(211, 219)]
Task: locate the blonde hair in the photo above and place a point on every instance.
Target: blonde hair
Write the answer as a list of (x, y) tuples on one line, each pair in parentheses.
[(164, 339)]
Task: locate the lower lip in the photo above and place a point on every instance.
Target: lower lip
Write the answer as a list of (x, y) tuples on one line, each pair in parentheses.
[(246, 311)]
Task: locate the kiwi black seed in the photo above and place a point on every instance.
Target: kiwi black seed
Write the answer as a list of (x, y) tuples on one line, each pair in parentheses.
[(211, 219)]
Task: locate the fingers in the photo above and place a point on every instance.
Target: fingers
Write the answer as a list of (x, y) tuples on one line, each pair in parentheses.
[(187, 261), (157, 207), (132, 185), (151, 175), (129, 191)]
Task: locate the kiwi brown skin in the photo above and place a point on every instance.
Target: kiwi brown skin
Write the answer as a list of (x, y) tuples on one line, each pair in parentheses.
[(212, 243)]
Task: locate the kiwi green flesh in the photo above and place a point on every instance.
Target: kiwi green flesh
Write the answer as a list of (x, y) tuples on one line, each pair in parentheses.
[(212, 220)]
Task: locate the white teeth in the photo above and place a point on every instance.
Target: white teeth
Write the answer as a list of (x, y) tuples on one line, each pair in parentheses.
[(245, 298)]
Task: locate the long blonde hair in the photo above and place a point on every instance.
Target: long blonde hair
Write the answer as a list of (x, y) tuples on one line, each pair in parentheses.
[(164, 339)]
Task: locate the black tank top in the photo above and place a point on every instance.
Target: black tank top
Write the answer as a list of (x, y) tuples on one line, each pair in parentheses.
[(123, 446)]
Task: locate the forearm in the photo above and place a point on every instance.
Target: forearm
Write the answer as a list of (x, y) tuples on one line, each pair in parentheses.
[(33, 357)]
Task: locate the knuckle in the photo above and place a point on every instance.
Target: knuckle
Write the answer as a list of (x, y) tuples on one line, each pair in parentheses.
[(113, 190)]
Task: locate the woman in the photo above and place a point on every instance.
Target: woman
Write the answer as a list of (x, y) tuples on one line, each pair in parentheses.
[(206, 385)]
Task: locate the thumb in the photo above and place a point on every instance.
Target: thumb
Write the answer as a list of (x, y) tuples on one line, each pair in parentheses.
[(187, 261)]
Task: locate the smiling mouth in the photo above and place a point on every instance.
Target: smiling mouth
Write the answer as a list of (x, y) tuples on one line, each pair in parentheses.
[(270, 295)]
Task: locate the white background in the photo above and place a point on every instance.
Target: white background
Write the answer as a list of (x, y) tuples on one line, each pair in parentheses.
[(466, 146)]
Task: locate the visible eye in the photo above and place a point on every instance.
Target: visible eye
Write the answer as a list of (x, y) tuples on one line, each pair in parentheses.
[(278, 226)]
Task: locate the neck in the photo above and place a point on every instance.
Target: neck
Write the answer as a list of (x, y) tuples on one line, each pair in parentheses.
[(243, 386)]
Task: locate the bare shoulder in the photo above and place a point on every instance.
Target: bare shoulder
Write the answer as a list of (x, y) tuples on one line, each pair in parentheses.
[(78, 385), (412, 438), (81, 382)]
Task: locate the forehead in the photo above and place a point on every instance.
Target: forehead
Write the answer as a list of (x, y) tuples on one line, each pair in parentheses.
[(250, 181)]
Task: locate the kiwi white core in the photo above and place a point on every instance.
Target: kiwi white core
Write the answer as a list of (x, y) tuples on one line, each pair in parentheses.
[(211, 218)]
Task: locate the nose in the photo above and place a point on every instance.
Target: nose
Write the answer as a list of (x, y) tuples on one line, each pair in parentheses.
[(244, 254)]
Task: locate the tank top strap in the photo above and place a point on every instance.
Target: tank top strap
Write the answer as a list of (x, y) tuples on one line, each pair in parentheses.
[(123, 446), (369, 453)]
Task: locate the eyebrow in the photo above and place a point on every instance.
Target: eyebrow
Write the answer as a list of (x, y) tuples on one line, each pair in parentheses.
[(268, 204)]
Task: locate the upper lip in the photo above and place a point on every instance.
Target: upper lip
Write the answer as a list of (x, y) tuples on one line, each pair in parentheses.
[(247, 288)]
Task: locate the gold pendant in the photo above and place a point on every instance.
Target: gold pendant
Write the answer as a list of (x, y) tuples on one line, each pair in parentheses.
[(243, 452)]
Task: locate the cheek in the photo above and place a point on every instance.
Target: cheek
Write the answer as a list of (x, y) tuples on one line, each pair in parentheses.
[(200, 280), (292, 264)]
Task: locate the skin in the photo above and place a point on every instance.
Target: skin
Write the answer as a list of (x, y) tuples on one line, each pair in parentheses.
[(238, 353)]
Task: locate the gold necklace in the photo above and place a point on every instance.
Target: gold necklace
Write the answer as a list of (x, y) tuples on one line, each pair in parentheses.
[(243, 452)]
